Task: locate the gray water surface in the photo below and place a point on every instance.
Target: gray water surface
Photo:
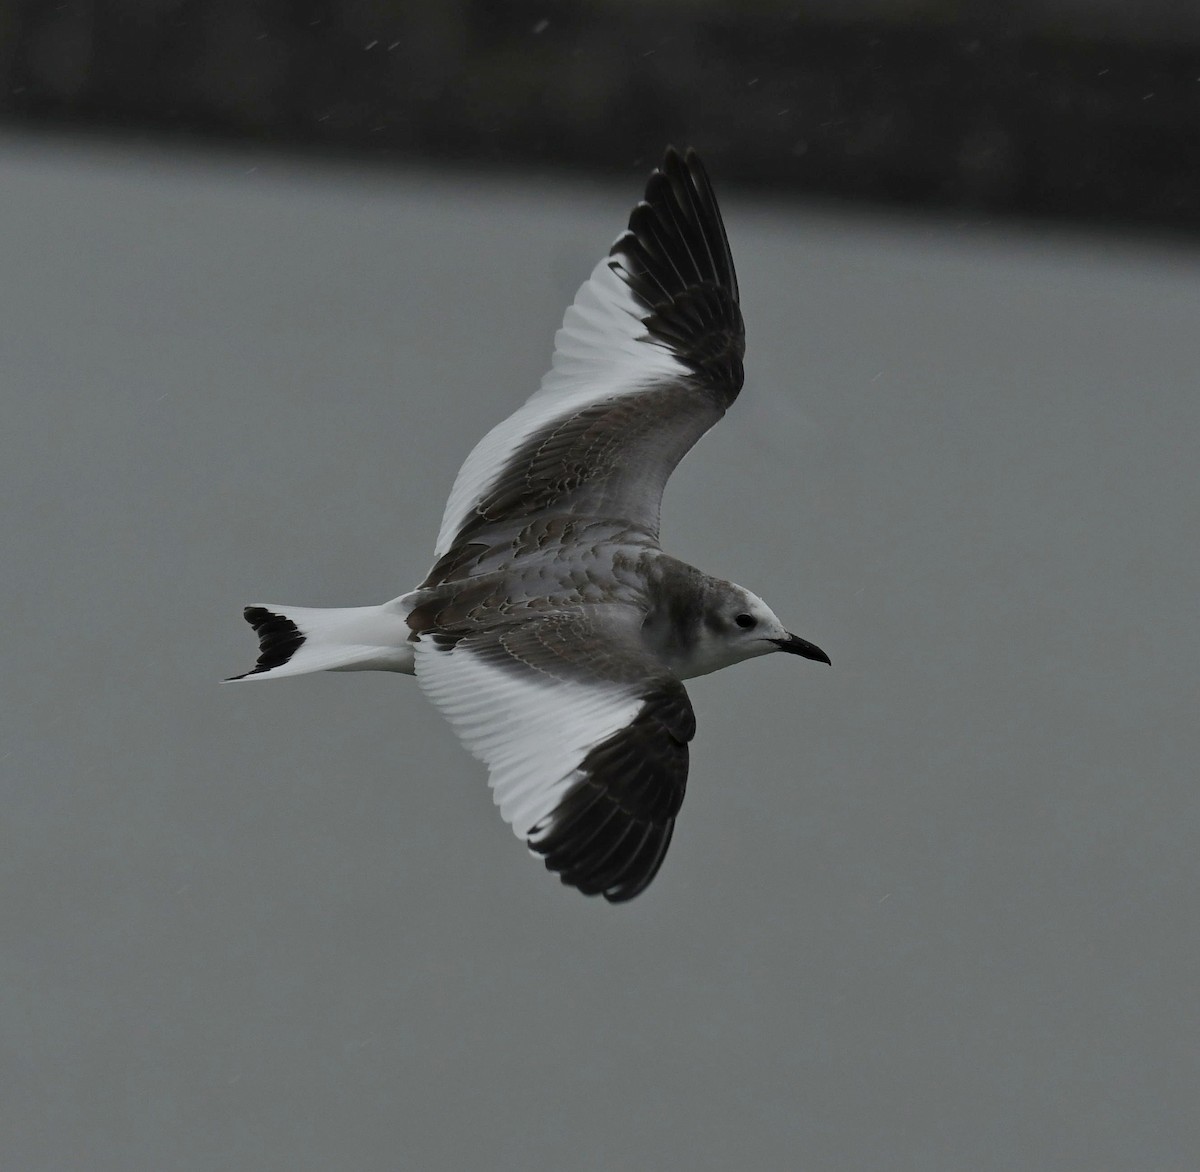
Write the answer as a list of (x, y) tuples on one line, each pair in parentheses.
[(933, 908)]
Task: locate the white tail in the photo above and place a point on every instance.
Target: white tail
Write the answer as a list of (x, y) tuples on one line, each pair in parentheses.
[(294, 640)]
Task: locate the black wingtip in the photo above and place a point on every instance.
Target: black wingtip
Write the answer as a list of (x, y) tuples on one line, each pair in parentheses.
[(609, 834), (672, 156), (675, 257), (645, 866)]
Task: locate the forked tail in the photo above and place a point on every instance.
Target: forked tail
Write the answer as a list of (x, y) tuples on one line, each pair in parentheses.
[(295, 640)]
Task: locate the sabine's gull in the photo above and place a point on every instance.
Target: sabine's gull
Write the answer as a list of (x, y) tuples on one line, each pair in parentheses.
[(552, 632)]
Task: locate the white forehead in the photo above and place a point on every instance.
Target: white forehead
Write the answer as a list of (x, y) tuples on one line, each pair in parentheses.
[(751, 602)]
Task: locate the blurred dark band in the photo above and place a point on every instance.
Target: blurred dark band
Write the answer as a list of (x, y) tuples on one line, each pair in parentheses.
[(945, 106)]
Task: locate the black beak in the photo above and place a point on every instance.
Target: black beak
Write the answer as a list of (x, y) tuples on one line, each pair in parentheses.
[(797, 646)]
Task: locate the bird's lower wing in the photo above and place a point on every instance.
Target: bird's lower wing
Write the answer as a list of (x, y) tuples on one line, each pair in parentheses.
[(585, 741)]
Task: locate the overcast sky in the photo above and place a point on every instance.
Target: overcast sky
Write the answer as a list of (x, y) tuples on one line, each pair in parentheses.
[(933, 908)]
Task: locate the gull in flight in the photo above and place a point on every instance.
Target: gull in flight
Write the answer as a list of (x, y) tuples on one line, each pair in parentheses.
[(553, 632)]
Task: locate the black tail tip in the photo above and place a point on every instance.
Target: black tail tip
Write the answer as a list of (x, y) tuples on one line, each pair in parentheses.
[(278, 639)]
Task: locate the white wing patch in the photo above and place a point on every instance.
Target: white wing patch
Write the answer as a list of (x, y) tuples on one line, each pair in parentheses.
[(602, 351), (530, 730)]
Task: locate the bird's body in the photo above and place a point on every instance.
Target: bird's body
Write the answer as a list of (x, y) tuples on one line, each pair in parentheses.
[(553, 632)]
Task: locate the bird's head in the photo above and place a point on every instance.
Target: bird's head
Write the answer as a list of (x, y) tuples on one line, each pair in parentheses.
[(736, 625)]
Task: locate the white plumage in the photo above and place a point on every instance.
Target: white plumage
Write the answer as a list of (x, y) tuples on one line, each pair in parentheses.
[(601, 352), (531, 731)]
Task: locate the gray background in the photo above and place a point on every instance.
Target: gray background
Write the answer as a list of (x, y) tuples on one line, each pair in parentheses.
[(934, 908)]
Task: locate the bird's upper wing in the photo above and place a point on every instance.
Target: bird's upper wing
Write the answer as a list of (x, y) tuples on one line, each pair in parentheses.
[(648, 358), (586, 741)]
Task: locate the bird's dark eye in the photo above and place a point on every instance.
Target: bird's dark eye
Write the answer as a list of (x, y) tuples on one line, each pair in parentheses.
[(746, 621)]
